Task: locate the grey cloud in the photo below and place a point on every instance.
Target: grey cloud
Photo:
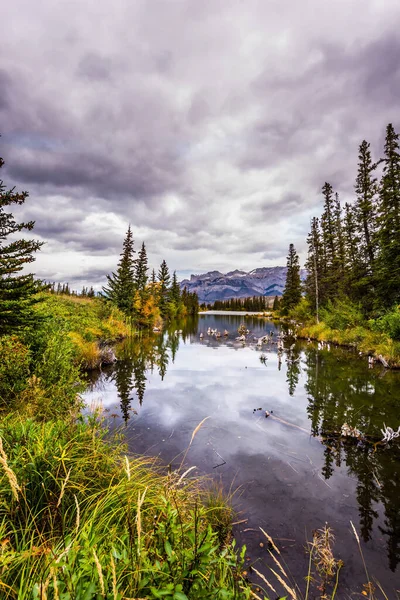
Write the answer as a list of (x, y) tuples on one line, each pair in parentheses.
[(202, 124), (94, 67)]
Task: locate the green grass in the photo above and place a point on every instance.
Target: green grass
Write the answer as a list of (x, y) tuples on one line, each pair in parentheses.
[(81, 520), (89, 322)]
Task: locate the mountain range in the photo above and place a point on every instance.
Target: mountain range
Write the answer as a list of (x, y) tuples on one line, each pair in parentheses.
[(211, 286)]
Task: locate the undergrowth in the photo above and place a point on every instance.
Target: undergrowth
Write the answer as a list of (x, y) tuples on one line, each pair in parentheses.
[(81, 520), (342, 323)]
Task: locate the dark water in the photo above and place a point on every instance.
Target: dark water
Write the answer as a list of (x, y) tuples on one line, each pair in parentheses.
[(293, 472)]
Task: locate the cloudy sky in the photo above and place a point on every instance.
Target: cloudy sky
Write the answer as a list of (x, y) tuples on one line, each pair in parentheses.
[(209, 125)]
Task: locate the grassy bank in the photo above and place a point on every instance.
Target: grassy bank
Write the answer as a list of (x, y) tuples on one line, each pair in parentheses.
[(361, 338), (90, 323), (81, 520), (342, 323)]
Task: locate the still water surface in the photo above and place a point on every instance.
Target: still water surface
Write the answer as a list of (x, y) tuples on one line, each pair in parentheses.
[(293, 473)]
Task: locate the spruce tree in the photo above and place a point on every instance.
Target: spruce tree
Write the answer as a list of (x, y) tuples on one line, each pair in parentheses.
[(365, 208), (141, 277), (164, 279), (175, 290), (314, 266), (389, 222), (16, 289), (292, 293), (121, 284)]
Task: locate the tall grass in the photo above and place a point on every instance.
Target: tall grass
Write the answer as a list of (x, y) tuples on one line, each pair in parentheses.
[(79, 519)]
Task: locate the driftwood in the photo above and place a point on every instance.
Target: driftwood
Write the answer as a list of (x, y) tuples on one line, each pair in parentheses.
[(383, 361)]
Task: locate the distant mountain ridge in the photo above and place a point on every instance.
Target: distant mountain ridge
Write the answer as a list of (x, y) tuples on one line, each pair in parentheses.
[(214, 285)]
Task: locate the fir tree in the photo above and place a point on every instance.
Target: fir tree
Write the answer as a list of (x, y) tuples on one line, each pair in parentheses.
[(121, 284), (292, 292), (16, 290), (164, 279), (389, 222), (365, 208), (175, 290), (141, 270), (313, 266)]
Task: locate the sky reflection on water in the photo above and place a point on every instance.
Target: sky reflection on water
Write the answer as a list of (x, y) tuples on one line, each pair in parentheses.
[(295, 473)]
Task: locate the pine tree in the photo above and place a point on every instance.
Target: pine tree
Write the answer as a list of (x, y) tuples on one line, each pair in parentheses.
[(275, 305), (292, 293), (389, 222), (141, 270), (121, 284), (314, 266), (164, 279), (365, 208), (175, 290), (16, 290)]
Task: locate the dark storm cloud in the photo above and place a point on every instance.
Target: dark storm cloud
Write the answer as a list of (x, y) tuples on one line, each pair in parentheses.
[(209, 126)]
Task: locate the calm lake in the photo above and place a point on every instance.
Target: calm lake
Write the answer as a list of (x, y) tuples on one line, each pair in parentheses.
[(293, 474)]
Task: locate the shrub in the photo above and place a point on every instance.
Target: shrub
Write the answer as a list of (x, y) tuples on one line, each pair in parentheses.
[(341, 314), (58, 374), (14, 368), (388, 323), (302, 312)]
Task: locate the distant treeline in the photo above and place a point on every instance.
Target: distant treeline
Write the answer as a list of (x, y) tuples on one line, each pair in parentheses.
[(251, 304), (147, 300), (63, 289)]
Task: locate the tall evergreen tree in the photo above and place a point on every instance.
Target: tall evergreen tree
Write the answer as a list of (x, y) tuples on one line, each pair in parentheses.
[(314, 266), (164, 279), (292, 293), (340, 258), (141, 270), (365, 208), (389, 222), (16, 289), (175, 290), (121, 284)]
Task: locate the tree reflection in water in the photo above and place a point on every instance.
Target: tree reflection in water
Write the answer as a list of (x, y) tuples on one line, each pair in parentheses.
[(146, 352), (345, 391), (339, 390)]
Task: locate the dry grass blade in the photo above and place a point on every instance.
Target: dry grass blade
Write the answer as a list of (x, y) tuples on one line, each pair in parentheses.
[(285, 585), (99, 571), (271, 541), (185, 473), (78, 514), (276, 561), (55, 586), (9, 472), (127, 468), (196, 430), (114, 578), (139, 517), (261, 576), (362, 556), (64, 483)]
